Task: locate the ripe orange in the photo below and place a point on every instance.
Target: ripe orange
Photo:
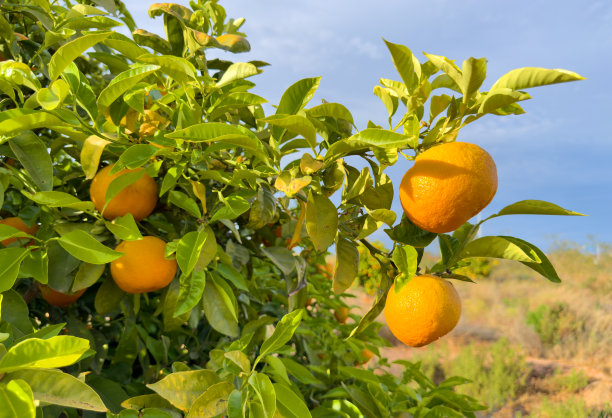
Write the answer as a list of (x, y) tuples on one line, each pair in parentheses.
[(425, 309), (448, 185), (143, 268), (341, 314), (139, 198), (55, 298), (20, 225)]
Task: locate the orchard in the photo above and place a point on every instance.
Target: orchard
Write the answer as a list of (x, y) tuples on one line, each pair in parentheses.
[(164, 242)]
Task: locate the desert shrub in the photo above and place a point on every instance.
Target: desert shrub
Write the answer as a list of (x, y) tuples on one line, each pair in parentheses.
[(554, 323), (574, 381)]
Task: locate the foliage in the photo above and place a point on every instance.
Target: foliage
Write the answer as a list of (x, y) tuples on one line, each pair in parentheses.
[(574, 381), (498, 373), (232, 333), (370, 275), (571, 407), (553, 323)]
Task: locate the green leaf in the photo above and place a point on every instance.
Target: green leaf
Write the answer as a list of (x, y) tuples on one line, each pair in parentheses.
[(15, 312), (135, 156), (438, 104), (181, 200), (219, 308), (33, 154), (209, 251), (239, 359), (68, 52), (15, 121), (408, 233), (447, 66), (58, 388), (124, 228), (535, 207), (406, 64), (543, 264), (123, 82), (151, 400), (60, 199), (289, 404), (237, 71), (497, 247), (264, 392), (189, 249), (366, 376), (263, 209), (10, 260), (500, 98), (389, 100), (153, 41), (108, 297), (183, 388), (176, 67), (334, 110), (365, 140), (234, 405), (526, 77), (192, 288), (53, 96), (321, 221), (36, 266), (212, 402), (85, 247), (474, 74), (301, 373), (51, 353), (235, 206), (91, 153), (234, 276), (294, 123), (347, 263), (87, 275), (282, 333), (281, 257), (406, 261), (17, 399), (297, 96)]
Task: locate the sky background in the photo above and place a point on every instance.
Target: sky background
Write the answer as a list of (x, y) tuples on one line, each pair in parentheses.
[(559, 151)]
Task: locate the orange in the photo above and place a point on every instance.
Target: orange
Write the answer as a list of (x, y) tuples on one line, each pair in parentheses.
[(366, 355), (143, 267), (55, 298), (20, 225), (425, 309), (447, 185), (139, 198), (341, 314)]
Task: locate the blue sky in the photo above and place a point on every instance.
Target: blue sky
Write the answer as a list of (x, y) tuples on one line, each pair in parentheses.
[(558, 151)]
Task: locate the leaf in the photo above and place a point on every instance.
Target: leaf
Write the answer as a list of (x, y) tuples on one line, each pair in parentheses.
[(15, 312), (289, 404), (209, 251), (70, 51), (91, 153), (234, 276), (61, 199), (283, 332), (239, 359), (543, 266), (447, 66), (406, 261), (294, 123), (153, 41), (17, 399), (235, 206), (321, 221), (406, 64), (527, 77), (347, 263), (219, 309), (474, 74), (10, 260), (134, 157), (234, 43), (15, 121), (108, 297), (85, 247), (36, 266), (309, 165), (123, 82), (264, 392), (289, 184), (87, 275), (151, 400), (365, 140), (183, 388), (188, 250), (535, 207), (263, 209), (124, 228), (33, 155), (281, 257), (500, 98), (237, 71), (178, 68), (35, 353), (58, 388), (51, 97), (497, 247), (297, 96), (181, 200), (408, 233), (301, 373), (334, 110), (192, 288), (212, 402)]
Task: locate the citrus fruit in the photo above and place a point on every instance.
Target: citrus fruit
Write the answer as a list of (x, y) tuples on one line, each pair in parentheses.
[(341, 314), (425, 309), (55, 298), (17, 223), (447, 185), (138, 198), (143, 267)]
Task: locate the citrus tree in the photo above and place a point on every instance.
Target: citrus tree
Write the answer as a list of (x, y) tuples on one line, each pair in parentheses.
[(164, 241)]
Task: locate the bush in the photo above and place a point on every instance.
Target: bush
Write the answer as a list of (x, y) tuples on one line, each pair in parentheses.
[(554, 323)]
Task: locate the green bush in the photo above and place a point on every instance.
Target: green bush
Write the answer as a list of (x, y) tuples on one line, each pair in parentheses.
[(573, 382), (554, 323)]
